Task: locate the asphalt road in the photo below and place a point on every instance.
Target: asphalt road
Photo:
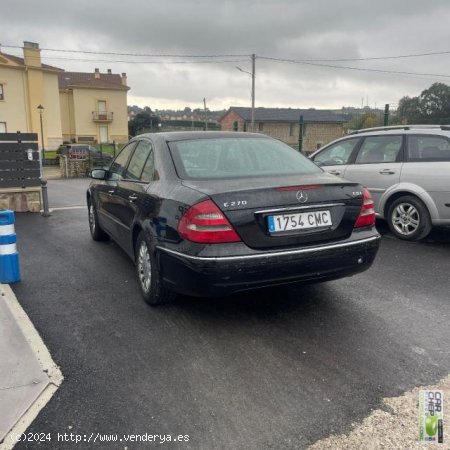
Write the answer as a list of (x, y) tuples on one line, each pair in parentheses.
[(276, 369)]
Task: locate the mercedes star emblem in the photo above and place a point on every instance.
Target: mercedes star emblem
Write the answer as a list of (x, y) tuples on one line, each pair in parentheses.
[(302, 197)]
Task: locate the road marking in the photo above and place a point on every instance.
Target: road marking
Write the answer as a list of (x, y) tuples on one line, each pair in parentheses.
[(64, 208), (42, 355)]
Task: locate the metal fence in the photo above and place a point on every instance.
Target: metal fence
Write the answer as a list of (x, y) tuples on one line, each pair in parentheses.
[(359, 118), (20, 166)]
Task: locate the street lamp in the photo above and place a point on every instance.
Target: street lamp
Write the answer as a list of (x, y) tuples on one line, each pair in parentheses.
[(252, 74), (41, 112)]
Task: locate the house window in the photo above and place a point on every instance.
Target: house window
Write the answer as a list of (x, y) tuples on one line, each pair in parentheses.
[(235, 126), (260, 126), (318, 145), (101, 108), (2, 95), (2, 127), (245, 126)]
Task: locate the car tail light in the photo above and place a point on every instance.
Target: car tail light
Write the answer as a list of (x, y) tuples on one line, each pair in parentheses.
[(205, 223), (367, 214)]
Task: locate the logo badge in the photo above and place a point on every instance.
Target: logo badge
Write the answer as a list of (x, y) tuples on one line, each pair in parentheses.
[(302, 197)]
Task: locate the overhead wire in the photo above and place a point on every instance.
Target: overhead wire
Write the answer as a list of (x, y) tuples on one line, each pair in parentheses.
[(214, 59)]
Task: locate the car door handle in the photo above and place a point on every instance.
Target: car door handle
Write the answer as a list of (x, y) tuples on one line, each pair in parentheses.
[(335, 172), (387, 172), (111, 192), (132, 198)]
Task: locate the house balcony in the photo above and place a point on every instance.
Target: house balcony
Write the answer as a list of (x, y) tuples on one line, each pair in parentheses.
[(102, 116)]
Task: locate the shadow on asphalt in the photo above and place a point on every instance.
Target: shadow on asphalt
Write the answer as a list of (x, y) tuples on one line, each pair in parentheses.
[(440, 235), (262, 303)]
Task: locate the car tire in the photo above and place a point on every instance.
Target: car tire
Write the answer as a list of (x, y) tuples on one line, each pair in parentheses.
[(97, 232), (408, 218), (149, 278)]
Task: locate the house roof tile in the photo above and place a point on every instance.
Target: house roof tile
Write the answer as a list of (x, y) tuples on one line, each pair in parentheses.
[(20, 61), (87, 79)]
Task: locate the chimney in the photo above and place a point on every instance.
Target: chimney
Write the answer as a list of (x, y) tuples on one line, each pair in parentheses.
[(124, 78), (97, 74), (31, 54), (109, 71)]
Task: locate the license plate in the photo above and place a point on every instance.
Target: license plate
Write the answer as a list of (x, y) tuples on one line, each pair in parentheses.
[(299, 221)]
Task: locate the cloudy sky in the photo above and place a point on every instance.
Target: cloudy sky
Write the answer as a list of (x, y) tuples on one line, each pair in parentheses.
[(285, 29)]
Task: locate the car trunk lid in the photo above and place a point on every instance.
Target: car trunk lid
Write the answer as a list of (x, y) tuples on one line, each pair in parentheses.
[(275, 212)]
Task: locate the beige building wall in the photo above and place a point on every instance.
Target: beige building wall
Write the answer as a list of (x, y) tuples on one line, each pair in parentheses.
[(67, 115), (25, 88), (13, 109), (85, 102), (51, 118), (315, 134)]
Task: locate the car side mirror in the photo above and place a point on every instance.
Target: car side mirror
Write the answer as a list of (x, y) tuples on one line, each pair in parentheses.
[(318, 163), (98, 174)]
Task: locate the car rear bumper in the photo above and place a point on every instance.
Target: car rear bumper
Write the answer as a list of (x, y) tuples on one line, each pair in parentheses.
[(218, 276)]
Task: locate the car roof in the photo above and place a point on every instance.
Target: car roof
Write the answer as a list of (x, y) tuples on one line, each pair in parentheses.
[(406, 129), (172, 136), (438, 130)]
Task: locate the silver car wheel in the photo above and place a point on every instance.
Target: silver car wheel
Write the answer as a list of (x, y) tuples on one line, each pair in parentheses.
[(405, 219), (144, 267), (92, 218)]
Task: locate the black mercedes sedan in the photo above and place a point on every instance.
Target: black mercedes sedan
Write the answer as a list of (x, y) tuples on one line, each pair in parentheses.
[(214, 213)]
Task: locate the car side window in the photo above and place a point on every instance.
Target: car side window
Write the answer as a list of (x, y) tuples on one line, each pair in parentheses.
[(117, 170), (138, 160), (149, 168), (379, 149), (428, 148), (336, 154)]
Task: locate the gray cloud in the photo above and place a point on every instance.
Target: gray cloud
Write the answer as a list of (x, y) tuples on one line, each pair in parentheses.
[(291, 29)]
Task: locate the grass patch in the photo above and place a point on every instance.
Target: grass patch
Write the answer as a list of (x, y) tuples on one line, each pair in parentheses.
[(50, 154)]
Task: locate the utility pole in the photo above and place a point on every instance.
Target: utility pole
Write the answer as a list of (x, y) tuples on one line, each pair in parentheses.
[(206, 114), (386, 114), (252, 74), (253, 91), (300, 134)]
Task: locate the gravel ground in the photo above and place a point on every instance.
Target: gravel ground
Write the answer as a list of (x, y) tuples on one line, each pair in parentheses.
[(396, 426)]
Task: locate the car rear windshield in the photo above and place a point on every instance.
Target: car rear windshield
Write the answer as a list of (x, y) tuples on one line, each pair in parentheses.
[(237, 158)]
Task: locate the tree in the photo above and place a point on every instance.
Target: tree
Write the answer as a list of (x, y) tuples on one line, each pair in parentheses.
[(431, 106), (409, 110), (435, 103), (144, 121)]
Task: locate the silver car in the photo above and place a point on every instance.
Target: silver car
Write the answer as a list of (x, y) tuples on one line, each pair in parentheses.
[(406, 168)]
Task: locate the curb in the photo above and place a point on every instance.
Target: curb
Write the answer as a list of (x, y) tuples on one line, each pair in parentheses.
[(55, 377)]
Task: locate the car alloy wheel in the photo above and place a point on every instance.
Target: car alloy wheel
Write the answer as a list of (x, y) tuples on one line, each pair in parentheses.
[(144, 267), (408, 218), (150, 282), (96, 231), (92, 224), (405, 219)]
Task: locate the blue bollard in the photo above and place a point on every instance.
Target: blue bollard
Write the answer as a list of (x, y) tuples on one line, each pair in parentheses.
[(9, 258)]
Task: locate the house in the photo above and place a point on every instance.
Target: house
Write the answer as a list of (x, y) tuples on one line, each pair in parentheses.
[(58, 106), (93, 106), (320, 127), (25, 84), (74, 106)]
